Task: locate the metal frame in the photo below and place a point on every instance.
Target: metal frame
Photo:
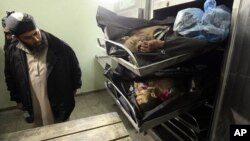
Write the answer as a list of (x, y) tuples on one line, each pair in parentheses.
[(134, 67), (195, 127), (156, 121), (120, 46), (145, 125), (133, 122), (181, 130), (237, 5)]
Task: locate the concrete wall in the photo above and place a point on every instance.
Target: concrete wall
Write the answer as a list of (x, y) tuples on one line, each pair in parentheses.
[(72, 21)]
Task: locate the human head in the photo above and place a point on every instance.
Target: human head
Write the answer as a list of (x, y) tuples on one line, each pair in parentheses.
[(6, 31), (23, 26)]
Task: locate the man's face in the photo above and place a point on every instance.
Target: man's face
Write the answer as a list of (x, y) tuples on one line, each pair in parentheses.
[(31, 38)]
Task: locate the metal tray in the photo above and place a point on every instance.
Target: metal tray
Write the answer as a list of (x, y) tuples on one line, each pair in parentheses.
[(154, 119), (132, 64)]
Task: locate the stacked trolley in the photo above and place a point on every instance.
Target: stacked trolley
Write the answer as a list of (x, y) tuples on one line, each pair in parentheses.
[(186, 116)]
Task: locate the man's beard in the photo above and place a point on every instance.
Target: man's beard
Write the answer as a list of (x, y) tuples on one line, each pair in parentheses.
[(36, 49)]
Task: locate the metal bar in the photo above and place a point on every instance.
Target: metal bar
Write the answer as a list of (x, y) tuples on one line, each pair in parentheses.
[(129, 104), (183, 132), (123, 47)]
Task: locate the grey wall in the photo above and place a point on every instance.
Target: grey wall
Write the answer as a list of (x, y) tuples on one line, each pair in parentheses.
[(72, 21)]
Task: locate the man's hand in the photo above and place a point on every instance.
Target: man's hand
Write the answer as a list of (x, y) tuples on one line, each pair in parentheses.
[(151, 45)]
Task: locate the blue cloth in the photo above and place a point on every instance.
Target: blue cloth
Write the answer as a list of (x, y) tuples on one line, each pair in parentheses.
[(188, 23), (209, 4), (211, 25), (215, 24)]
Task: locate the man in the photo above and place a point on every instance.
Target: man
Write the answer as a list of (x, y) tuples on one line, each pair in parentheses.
[(45, 72), (7, 33), (8, 40)]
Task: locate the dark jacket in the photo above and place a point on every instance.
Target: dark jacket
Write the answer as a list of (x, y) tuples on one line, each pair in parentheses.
[(63, 77)]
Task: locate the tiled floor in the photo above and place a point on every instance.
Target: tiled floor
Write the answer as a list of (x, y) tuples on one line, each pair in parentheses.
[(86, 105)]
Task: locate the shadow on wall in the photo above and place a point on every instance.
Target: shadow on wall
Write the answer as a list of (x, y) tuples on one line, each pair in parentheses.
[(4, 94), (99, 85)]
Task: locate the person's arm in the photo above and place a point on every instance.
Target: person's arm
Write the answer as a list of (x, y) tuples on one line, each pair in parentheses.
[(9, 77), (75, 71)]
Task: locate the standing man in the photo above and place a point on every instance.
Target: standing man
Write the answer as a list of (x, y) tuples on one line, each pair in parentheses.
[(7, 34), (45, 72)]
